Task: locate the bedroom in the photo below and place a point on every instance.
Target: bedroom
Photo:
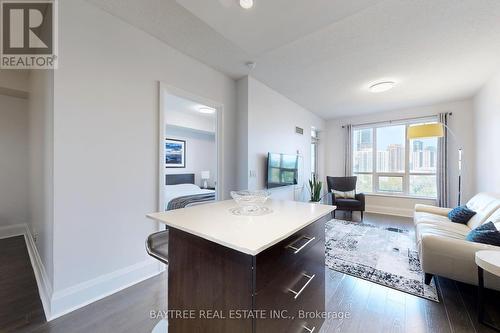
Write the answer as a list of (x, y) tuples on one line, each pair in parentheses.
[(190, 170)]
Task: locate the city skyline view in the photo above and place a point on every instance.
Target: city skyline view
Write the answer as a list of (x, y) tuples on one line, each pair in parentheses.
[(417, 167)]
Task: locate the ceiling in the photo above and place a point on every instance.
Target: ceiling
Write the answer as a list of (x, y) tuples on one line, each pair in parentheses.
[(324, 54), (179, 104)]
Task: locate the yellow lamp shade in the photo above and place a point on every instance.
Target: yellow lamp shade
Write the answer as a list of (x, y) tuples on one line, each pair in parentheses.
[(433, 130)]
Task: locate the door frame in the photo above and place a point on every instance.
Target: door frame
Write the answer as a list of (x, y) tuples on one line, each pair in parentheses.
[(164, 90)]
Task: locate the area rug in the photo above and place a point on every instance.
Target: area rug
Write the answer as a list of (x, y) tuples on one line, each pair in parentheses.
[(387, 256)]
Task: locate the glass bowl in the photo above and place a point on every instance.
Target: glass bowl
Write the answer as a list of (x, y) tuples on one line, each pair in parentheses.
[(250, 202)]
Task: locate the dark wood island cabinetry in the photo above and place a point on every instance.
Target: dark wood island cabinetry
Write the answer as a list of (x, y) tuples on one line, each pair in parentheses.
[(219, 282)]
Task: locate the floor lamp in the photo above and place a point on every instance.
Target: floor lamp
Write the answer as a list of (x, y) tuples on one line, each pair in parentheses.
[(437, 130)]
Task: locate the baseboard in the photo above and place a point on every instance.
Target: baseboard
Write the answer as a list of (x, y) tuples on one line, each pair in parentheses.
[(12, 230), (395, 211), (42, 279), (80, 295), (70, 299)]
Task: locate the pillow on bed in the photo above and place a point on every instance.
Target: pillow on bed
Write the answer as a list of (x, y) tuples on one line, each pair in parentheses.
[(183, 187)]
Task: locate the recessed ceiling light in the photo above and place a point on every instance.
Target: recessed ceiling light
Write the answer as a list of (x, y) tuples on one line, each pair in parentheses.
[(206, 110), (382, 86), (246, 4)]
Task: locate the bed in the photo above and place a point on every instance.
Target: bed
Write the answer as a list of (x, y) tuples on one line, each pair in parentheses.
[(181, 191)]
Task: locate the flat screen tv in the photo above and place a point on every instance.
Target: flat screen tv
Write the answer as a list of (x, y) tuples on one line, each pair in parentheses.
[(282, 170)]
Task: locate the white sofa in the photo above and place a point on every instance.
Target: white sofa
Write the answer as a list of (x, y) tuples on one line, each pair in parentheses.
[(441, 243)]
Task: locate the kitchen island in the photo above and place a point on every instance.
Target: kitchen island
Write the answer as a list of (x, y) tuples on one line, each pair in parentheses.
[(229, 273)]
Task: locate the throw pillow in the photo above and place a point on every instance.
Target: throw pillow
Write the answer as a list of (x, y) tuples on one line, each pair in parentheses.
[(461, 214), (344, 195), (485, 234)]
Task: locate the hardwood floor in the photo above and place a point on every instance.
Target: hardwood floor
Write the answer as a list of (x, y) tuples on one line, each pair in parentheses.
[(380, 309), (19, 301), (125, 311), (22, 311), (371, 307)]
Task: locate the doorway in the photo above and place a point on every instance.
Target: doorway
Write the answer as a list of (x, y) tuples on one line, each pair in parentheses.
[(189, 149)]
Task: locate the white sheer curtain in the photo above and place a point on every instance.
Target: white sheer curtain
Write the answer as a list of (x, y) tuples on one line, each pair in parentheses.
[(348, 150), (443, 195)]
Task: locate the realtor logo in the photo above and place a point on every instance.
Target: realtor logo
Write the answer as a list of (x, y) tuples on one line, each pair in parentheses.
[(28, 34)]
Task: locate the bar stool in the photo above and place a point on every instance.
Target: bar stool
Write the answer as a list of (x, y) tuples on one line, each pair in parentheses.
[(157, 246)]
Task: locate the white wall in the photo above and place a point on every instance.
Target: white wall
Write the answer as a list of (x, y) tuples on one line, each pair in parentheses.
[(14, 83), (461, 123), (201, 152), (242, 126), (14, 161), (271, 119), (106, 148), (487, 111), (41, 118)]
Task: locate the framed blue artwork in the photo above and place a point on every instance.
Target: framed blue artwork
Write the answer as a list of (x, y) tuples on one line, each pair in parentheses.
[(175, 153)]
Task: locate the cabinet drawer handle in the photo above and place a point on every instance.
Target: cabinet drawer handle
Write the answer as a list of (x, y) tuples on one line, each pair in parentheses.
[(297, 293), (297, 250), (310, 330)]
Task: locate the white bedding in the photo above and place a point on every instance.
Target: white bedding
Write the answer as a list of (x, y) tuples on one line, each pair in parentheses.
[(180, 190)]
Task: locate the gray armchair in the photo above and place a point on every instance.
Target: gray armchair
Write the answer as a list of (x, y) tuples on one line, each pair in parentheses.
[(346, 184)]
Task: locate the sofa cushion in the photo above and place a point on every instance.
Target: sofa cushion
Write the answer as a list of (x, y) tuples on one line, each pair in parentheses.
[(495, 217), (421, 217), (489, 226), (432, 209), (484, 204), (461, 214), (447, 229), (457, 228), (485, 234)]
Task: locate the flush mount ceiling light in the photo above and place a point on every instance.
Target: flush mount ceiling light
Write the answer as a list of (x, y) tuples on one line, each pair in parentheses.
[(246, 4), (206, 110), (382, 86)]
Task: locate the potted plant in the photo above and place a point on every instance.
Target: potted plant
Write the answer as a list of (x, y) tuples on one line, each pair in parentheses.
[(315, 189)]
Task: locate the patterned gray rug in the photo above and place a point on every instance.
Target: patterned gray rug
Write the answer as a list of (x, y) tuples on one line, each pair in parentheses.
[(386, 256)]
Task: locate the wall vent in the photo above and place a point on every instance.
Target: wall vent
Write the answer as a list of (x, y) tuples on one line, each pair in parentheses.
[(299, 130)]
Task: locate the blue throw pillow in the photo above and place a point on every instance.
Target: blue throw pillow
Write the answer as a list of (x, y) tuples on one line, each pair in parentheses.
[(461, 214), (485, 234)]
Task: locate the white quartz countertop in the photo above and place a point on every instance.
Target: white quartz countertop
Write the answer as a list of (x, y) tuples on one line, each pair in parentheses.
[(247, 234)]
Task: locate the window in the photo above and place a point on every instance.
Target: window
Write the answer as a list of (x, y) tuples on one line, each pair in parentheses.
[(423, 161), (386, 162), (363, 159), (314, 151)]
